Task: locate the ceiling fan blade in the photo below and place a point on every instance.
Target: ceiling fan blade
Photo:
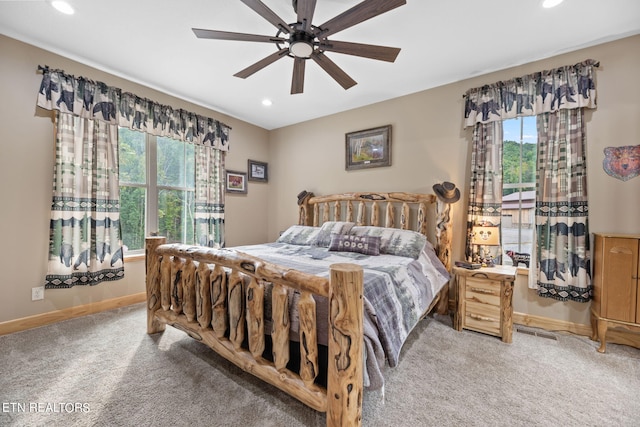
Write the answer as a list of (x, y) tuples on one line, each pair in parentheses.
[(225, 35), (361, 12), (262, 63), (297, 82), (333, 70), (267, 14), (305, 10), (381, 53)]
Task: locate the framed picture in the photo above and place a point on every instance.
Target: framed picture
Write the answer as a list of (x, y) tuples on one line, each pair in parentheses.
[(236, 182), (258, 171), (370, 148)]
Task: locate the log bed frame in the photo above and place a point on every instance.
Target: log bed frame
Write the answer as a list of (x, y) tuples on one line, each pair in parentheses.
[(216, 297)]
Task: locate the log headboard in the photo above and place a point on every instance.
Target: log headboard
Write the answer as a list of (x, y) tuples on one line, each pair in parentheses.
[(407, 211)]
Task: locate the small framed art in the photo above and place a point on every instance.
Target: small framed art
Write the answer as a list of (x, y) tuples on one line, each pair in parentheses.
[(236, 182), (370, 148), (258, 171)]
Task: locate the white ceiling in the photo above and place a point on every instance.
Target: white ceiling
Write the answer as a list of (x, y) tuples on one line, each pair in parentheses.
[(151, 42)]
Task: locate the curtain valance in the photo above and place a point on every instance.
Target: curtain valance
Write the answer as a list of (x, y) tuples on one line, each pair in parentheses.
[(90, 99), (568, 87)]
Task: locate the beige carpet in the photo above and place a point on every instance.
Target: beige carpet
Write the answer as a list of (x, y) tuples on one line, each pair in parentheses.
[(104, 370)]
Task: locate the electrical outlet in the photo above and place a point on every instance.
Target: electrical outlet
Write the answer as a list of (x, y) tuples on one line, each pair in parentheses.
[(37, 293)]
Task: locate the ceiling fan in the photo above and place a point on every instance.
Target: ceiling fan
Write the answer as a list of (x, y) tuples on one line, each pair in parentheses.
[(301, 40)]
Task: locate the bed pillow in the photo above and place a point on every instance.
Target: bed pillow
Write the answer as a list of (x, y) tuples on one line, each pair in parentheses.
[(299, 235), (394, 241), (329, 228), (367, 245)]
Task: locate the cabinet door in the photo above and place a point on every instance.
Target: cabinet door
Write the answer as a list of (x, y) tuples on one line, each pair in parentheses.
[(638, 285), (620, 275)]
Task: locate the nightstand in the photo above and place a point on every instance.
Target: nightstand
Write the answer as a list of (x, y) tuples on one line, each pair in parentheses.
[(483, 300)]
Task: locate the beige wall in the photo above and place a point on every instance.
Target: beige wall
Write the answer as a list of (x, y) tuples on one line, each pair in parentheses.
[(430, 145), (26, 167)]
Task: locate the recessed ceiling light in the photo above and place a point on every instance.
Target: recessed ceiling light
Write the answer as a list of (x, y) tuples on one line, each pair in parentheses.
[(63, 7), (551, 3), (267, 102)]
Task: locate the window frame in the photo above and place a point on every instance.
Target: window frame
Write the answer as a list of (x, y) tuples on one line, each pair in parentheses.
[(152, 189)]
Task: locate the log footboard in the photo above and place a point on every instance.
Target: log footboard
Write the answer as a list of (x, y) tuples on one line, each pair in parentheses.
[(216, 296)]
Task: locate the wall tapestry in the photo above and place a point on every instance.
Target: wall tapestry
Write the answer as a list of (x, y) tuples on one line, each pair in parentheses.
[(622, 162)]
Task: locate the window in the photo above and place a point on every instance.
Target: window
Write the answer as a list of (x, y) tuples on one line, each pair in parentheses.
[(518, 185), (157, 177)]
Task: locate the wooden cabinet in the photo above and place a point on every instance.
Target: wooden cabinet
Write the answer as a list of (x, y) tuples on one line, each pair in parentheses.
[(483, 300), (616, 293)]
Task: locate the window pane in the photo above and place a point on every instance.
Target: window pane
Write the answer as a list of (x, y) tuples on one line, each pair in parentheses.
[(517, 221), (145, 205), (132, 158), (171, 162), (132, 216), (175, 215), (519, 175)]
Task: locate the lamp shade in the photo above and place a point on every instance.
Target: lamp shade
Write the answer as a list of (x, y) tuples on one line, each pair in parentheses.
[(489, 236)]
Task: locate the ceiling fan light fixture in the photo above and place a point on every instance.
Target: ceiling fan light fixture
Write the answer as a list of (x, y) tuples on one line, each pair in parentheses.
[(308, 41), (63, 7), (301, 45), (548, 4)]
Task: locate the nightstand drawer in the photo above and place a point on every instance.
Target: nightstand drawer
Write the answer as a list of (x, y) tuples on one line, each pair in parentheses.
[(484, 300), (482, 317), (483, 291)]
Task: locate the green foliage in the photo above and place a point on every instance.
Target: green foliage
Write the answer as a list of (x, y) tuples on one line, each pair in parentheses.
[(175, 169), (132, 216), (175, 215), (132, 160), (512, 166)]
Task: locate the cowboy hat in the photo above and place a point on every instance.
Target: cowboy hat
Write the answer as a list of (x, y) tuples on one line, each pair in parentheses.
[(447, 192)]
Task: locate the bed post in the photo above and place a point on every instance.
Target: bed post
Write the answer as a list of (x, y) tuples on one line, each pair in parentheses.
[(304, 210), (443, 232), (443, 235), (345, 353), (152, 264), (447, 194)]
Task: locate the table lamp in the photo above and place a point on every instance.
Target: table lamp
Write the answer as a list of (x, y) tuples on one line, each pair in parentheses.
[(481, 237)]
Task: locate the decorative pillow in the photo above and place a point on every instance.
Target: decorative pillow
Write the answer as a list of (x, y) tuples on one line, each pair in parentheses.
[(367, 245), (329, 228), (299, 235), (394, 241)]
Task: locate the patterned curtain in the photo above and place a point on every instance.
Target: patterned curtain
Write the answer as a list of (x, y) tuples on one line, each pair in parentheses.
[(85, 246), (485, 194), (558, 97), (209, 204), (98, 108), (95, 100), (562, 230), (564, 88)]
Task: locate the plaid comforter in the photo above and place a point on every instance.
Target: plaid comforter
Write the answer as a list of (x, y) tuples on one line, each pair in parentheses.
[(397, 291)]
